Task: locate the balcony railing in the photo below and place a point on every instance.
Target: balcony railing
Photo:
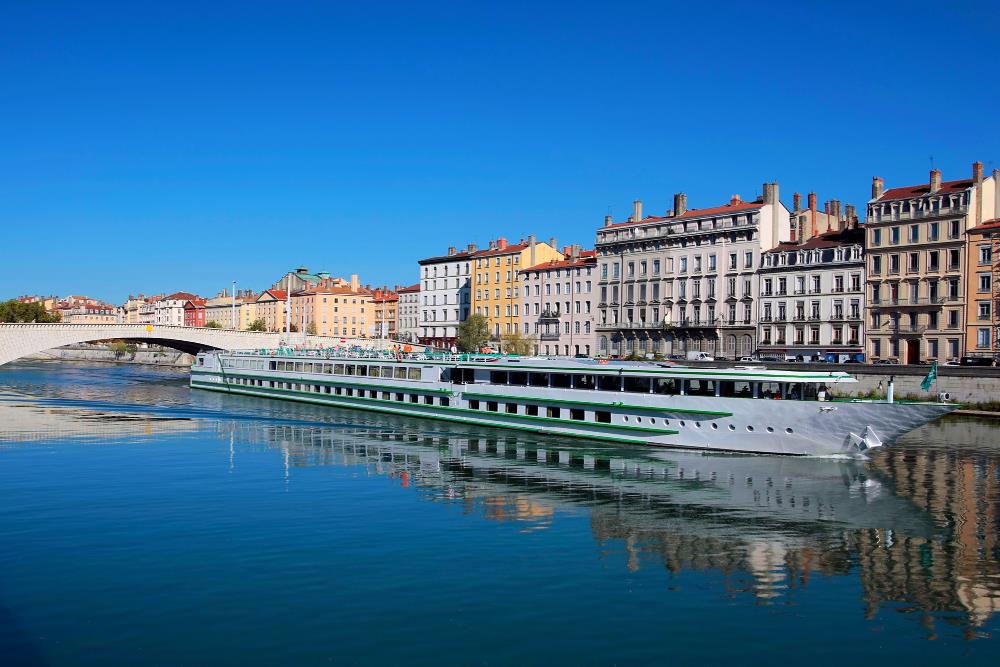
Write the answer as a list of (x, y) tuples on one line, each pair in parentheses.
[(548, 336), (907, 328)]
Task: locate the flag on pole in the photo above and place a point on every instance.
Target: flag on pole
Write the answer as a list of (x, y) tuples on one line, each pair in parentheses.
[(931, 376)]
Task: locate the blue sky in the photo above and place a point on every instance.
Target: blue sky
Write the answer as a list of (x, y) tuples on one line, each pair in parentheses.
[(186, 145)]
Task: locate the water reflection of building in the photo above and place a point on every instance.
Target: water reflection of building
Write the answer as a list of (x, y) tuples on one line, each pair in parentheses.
[(960, 489)]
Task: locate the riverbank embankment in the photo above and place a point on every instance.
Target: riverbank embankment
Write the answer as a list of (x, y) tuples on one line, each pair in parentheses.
[(151, 355)]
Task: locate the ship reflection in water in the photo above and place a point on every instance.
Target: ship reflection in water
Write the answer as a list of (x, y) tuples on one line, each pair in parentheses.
[(918, 522)]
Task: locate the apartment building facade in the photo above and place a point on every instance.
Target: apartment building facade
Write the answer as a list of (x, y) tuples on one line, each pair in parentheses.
[(385, 309), (408, 314), (812, 297), (333, 310), (688, 280), (919, 297), (445, 297), (170, 309), (982, 319), (496, 288), (558, 305), (272, 307)]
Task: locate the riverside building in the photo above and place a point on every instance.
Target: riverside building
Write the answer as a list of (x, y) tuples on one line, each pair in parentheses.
[(408, 314), (919, 267), (557, 304), (983, 322), (385, 307), (812, 295), (687, 280), (444, 295), (496, 292), (331, 309)]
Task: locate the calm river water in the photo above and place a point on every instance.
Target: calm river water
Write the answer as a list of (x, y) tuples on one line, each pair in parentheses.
[(146, 523)]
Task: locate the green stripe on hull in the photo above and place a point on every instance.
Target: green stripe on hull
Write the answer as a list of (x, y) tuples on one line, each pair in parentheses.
[(340, 402)]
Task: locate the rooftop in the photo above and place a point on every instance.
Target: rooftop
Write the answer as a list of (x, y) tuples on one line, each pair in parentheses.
[(924, 189), (734, 206)]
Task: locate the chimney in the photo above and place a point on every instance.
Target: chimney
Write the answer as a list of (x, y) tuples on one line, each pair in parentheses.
[(811, 198), (552, 242), (771, 193), (977, 171), (607, 221), (567, 250), (451, 250), (354, 282), (812, 216), (827, 208), (680, 204), (935, 180), (501, 243), (852, 221), (531, 250), (878, 187), (470, 248), (796, 202), (734, 200), (574, 251), (637, 210), (493, 244)]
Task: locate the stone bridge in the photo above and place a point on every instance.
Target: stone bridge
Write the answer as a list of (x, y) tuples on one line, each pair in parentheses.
[(19, 340)]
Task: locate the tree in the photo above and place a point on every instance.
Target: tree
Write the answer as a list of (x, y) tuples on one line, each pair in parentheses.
[(213, 325), (17, 311), (473, 333), (294, 328), (311, 328), (257, 325), (517, 343)]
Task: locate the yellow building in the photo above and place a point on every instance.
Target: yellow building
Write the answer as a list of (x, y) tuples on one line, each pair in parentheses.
[(496, 288), (270, 307), (333, 310), (219, 309)]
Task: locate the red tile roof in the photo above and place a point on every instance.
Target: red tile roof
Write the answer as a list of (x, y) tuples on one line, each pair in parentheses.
[(988, 226), (834, 239), (180, 296), (697, 213), (411, 288), (913, 191), (510, 249), (586, 258), (278, 294), (464, 254)]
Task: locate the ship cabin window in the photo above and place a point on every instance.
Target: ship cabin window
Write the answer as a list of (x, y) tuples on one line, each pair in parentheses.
[(462, 375), (444, 401), (399, 397), (272, 365), (372, 393), (517, 378), (531, 410), (553, 413), (638, 385), (539, 379), (361, 370), (413, 373), (491, 406), (400, 373), (307, 367), (609, 382), (667, 387), (577, 414), (326, 389), (602, 417), (298, 366), (350, 391), (414, 398), (338, 369), (386, 396), (700, 387), (473, 405), (349, 369), (428, 400), (559, 380), (770, 390), (328, 368), (498, 377), (374, 371), (338, 391), (584, 382), (512, 408), (735, 389)]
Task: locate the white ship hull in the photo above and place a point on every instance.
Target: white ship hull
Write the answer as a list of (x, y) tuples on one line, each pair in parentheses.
[(753, 425)]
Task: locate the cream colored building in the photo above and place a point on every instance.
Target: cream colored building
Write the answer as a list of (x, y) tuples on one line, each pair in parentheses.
[(271, 307), (921, 304), (333, 310), (220, 309)]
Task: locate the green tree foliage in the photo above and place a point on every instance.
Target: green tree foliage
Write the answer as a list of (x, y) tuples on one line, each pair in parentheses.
[(517, 343), (213, 325), (311, 328), (15, 311), (258, 325), (473, 333)]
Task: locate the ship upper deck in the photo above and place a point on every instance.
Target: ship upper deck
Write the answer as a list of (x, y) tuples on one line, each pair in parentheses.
[(513, 363)]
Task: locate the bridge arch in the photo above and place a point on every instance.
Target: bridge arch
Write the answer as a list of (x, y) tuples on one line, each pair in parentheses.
[(20, 340)]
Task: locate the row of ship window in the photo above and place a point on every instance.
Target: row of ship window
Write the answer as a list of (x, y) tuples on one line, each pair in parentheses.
[(356, 370), (428, 399), (645, 385)]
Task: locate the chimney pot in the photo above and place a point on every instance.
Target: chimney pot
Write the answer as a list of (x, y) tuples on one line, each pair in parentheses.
[(935, 180), (977, 171), (812, 201), (878, 187), (796, 202), (451, 250), (531, 239), (552, 242), (734, 200), (637, 210), (680, 203), (501, 243), (607, 221)]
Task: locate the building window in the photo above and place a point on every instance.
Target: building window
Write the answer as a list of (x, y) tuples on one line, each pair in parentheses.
[(983, 310)]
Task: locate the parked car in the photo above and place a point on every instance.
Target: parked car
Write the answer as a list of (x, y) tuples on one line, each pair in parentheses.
[(771, 359), (951, 362), (699, 356), (676, 357), (976, 361), (887, 362), (747, 360)]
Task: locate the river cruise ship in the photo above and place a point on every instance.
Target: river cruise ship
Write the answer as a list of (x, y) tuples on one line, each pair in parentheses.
[(740, 409)]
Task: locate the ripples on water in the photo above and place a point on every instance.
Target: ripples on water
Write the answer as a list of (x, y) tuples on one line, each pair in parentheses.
[(237, 530)]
